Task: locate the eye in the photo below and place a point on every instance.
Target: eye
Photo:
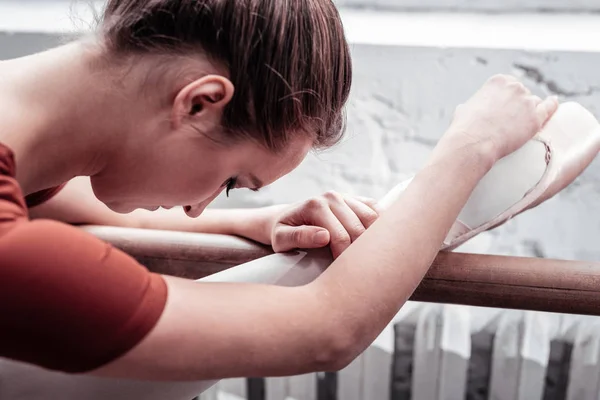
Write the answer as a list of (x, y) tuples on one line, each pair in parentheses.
[(230, 185)]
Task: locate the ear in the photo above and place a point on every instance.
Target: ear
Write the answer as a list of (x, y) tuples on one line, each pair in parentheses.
[(202, 101)]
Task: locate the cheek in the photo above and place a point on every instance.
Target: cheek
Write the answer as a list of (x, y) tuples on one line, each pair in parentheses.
[(194, 188), (170, 177), (200, 176)]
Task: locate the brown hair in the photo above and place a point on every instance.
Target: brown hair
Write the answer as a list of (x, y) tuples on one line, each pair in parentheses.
[(287, 59)]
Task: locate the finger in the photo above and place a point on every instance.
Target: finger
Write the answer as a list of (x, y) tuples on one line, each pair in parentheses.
[(350, 221), (317, 213), (369, 201), (519, 87), (502, 79), (546, 109), (365, 213), (535, 99), (299, 237), (372, 203)]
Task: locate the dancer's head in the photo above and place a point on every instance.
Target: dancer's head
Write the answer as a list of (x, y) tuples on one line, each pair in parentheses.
[(248, 88)]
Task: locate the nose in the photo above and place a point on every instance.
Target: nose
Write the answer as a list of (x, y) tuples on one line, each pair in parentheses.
[(196, 210)]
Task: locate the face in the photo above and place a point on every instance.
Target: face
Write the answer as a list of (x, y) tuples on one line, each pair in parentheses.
[(190, 171)]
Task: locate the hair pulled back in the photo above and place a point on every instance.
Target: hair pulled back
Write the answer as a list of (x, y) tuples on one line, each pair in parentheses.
[(288, 60)]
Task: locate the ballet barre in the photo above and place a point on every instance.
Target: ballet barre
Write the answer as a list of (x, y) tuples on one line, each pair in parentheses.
[(456, 278)]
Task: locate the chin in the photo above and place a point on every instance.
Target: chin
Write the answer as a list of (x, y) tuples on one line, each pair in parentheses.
[(126, 208), (122, 208)]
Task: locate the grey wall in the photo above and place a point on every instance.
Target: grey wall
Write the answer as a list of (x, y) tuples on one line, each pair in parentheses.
[(16, 45), (479, 5), (430, 5)]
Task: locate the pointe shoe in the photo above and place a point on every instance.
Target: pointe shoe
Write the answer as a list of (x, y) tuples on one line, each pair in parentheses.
[(540, 169)]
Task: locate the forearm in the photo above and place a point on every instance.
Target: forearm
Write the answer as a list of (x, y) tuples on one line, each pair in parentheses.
[(367, 285), (249, 223)]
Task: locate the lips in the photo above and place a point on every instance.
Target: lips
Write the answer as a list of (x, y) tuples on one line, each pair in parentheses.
[(155, 208)]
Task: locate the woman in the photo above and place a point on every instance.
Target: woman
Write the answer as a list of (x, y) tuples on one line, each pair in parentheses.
[(173, 102)]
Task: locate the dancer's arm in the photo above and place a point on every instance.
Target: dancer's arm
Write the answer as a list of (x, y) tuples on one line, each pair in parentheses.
[(284, 227), (220, 330)]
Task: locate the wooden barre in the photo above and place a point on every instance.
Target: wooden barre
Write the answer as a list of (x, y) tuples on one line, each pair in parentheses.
[(456, 278), (182, 254)]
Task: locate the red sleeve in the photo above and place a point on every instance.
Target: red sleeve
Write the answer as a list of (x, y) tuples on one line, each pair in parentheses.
[(68, 301)]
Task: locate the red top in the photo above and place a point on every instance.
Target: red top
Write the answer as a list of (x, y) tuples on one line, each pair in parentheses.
[(68, 301)]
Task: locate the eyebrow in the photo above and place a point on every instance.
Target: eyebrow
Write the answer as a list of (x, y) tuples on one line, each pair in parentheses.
[(256, 182)]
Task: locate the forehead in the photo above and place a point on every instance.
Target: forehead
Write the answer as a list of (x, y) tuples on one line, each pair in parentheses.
[(268, 166)]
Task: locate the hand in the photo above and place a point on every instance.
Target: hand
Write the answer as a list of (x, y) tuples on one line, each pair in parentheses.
[(501, 117), (331, 219)]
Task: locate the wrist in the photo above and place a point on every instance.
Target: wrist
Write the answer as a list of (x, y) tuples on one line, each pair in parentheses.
[(255, 224), (455, 144), (245, 223)]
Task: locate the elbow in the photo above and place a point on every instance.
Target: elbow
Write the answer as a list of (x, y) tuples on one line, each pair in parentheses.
[(338, 347), (335, 336)]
